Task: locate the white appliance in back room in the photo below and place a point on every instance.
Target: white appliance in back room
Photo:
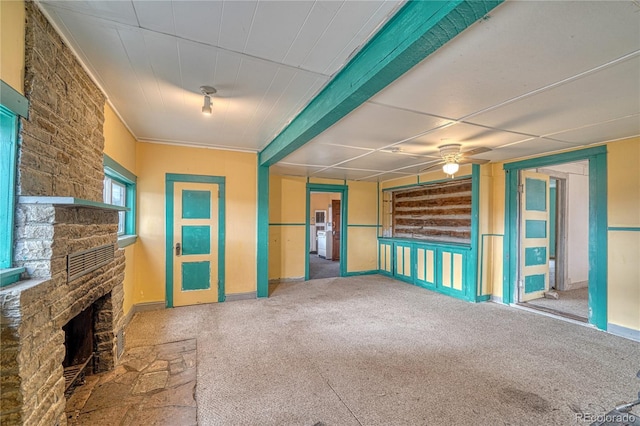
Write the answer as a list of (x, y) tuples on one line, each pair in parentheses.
[(322, 244)]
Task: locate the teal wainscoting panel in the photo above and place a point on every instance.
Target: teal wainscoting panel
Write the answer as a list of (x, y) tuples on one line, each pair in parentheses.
[(535, 256), (536, 229), (196, 240), (196, 204), (196, 276), (536, 195), (534, 283)]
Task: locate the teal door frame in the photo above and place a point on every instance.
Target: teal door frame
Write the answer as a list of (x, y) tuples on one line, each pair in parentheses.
[(170, 180), (343, 190), (598, 250)]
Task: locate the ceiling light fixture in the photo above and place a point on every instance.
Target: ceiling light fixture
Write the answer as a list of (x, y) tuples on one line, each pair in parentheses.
[(207, 91), (450, 168), (451, 155)]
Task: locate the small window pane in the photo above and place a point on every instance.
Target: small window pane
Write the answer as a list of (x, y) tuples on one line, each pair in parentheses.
[(118, 194), (121, 219)]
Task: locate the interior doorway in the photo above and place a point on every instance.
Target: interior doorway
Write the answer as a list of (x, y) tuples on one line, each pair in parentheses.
[(325, 236), (554, 240)]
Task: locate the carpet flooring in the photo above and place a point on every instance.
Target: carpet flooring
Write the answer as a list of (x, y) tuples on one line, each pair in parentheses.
[(572, 302), (322, 268), (370, 350)]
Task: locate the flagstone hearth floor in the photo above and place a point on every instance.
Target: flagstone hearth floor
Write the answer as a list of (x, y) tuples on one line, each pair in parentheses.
[(152, 385)]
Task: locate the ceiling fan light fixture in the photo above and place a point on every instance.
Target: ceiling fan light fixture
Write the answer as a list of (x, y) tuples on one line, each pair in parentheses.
[(450, 168), (207, 91)]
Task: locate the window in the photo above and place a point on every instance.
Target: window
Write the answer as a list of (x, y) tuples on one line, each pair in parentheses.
[(13, 105), (116, 193), (7, 184), (120, 190)]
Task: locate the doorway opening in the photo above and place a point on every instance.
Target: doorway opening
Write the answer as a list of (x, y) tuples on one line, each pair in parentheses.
[(325, 236), (554, 240)]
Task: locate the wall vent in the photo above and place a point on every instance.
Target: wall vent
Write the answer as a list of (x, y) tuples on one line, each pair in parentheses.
[(83, 262)]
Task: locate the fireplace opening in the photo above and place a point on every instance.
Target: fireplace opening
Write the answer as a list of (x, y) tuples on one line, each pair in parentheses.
[(79, 349)]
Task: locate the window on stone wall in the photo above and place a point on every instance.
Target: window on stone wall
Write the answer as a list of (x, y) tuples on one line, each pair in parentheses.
[(120, 190), (8, 133), (435, 212)]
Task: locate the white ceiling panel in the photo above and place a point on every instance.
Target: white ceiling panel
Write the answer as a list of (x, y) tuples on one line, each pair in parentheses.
[(118, 11), (276, 27), (599, 96), (236, 22), (198, 20), (292, 169), (156, 15), (315, 25), (525, 45), (354, 23), (348, 174), (376, 126), (323, 155), (601, 132), (379, 160), (524, 149), (468, 135)]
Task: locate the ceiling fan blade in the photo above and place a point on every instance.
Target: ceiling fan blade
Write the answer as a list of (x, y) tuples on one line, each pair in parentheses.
[(432, 167), (476, 151)]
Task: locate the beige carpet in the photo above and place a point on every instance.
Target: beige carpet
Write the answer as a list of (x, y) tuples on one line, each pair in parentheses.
[(572, 302), (374, 351)]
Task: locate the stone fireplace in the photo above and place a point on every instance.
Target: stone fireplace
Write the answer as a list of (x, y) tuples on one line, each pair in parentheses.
[(65, 238)]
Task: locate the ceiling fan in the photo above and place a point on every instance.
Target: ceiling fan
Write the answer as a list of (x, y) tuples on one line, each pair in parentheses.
[(452, 158)]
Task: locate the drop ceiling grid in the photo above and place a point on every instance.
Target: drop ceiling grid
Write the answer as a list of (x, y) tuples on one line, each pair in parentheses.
[(600, 95)]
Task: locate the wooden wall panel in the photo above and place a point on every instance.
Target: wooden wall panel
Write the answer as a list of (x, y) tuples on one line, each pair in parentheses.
[(437, 212)]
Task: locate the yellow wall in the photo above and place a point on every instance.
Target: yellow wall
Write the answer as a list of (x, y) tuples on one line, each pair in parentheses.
[(120, 145), (153, 161), (623, 180), (287, 205), (287, 209), (362, 230), (12, 16)]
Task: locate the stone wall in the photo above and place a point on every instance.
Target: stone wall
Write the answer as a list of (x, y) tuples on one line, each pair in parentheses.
[(34, 311), (60, 155), (62, 142)]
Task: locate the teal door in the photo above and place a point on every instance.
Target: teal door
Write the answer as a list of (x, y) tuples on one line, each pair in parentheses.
[(534, 236)]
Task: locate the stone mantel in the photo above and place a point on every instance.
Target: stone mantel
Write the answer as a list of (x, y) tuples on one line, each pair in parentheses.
[(70, 202)]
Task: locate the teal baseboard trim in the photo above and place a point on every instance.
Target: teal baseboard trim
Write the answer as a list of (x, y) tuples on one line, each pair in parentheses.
[(495, 299), (627, 333), (10, 276), (358, 273), (483, 298), (624, 228), (234, 297)]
